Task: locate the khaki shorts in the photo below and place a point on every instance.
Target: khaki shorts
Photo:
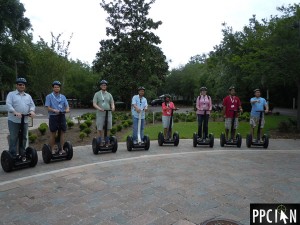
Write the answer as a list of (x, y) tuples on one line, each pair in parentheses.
[(100, 122), (228, 122), (166, 121), (255, 120)]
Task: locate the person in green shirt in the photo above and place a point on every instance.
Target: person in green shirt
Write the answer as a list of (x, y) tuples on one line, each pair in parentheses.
[(102, 101)]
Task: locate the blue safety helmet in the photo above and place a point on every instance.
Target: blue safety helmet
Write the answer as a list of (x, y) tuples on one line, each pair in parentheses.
[(103, 82), (141, 88), (56, 83), (21, 80)]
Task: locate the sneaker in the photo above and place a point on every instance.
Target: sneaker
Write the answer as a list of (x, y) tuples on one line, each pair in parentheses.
[(106, 140), (135, 142), (61, 152)]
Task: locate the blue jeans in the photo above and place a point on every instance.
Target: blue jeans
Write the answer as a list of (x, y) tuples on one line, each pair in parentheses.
[(135, 128), (203, 125), (14, 137)]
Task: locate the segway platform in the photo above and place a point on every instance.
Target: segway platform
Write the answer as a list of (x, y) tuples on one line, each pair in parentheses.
[(99, 146), (199, 141), (142, 145), (28, 158)]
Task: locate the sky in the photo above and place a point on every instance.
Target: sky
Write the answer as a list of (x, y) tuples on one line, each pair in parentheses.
[(189, 27)]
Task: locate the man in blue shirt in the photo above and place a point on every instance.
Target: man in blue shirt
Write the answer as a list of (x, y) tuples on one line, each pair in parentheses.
[(139, 106), (258, 104), (18, 102), (57, 103)]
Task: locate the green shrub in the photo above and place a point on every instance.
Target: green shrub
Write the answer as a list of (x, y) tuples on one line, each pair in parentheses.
[(119, 127), (43, 128), (32, 138), (113, 130), (82, 135), (88, 116), (88, 122), (70, 123), (129, 121), (82, 126), (87, 131), (125, 124)]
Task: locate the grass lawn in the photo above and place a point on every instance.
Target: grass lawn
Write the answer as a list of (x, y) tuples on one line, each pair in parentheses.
[(186, 129)]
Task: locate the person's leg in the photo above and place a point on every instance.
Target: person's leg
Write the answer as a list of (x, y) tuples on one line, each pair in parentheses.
[(134, 129), (99, 123), (63, 128), (22, 149), (235, 126), (227, 127), (142, 128), (205, 126), (200, 121), (13, 137)]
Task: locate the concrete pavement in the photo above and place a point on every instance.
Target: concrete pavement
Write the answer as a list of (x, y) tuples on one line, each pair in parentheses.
[(165, 185)]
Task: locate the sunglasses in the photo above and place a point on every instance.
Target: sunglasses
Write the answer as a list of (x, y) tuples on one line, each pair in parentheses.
[(21, 84)]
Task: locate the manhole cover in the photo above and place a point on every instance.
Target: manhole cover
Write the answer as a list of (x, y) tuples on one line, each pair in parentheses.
[(220, 222)]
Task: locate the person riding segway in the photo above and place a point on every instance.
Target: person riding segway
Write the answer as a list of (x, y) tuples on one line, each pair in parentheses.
[(231, 107), (204, 107), (19, 105), (57, 106), (166, 137), (103, 102), (259, 108), (139, 105)]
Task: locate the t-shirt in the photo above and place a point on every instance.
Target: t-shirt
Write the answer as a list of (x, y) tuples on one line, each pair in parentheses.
[(56, 101), (141, 103), (257, 106), (167, 109), (104, 101), (204, 103), (232, 103)]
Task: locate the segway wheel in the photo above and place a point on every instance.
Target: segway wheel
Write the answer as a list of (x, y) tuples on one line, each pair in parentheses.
[(114, 142), (211, 140), (160, 139), (195, 136), (147, 142), (69, 150), (249, 140), (222, 140), (266, 141), (7, 161), (238, 140), (129, 143), (176, 138), (32, 156), (46, 153), (95, 146)]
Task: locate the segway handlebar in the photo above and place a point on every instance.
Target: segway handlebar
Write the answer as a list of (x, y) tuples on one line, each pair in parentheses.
[(260, 111), (27, 114)]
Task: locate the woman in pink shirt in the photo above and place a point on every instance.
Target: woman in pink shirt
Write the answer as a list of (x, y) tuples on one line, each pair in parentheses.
[(204, 106), (167, 107)]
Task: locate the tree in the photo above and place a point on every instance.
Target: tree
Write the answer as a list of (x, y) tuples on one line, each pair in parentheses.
[(131, 58), (14, 28)]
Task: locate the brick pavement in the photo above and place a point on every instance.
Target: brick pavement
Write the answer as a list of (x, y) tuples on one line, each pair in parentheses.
[(165, 185)]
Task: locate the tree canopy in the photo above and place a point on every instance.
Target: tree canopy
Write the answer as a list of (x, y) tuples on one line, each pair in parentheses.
[(131, 57)]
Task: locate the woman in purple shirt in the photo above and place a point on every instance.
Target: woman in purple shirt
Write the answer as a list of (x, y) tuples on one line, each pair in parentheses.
[(204, 106)]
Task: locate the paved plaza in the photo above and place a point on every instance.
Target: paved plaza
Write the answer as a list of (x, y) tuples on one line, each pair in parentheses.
[(165, 185)]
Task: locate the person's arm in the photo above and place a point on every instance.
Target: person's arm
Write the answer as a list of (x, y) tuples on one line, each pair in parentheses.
[(224, 107), (253, 101), (112, 103), (134, 105), (32, 108), (164, 107), (267, 107), (198, 103), (146, 105), (95, 105), (9, 100), (210, 103)]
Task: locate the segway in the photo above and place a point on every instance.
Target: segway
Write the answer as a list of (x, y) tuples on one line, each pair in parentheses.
[(202, 141), (101, 146), (145, 144), (47, 153), (265, 139), (238, 137), (28, 158), (169, 140)]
